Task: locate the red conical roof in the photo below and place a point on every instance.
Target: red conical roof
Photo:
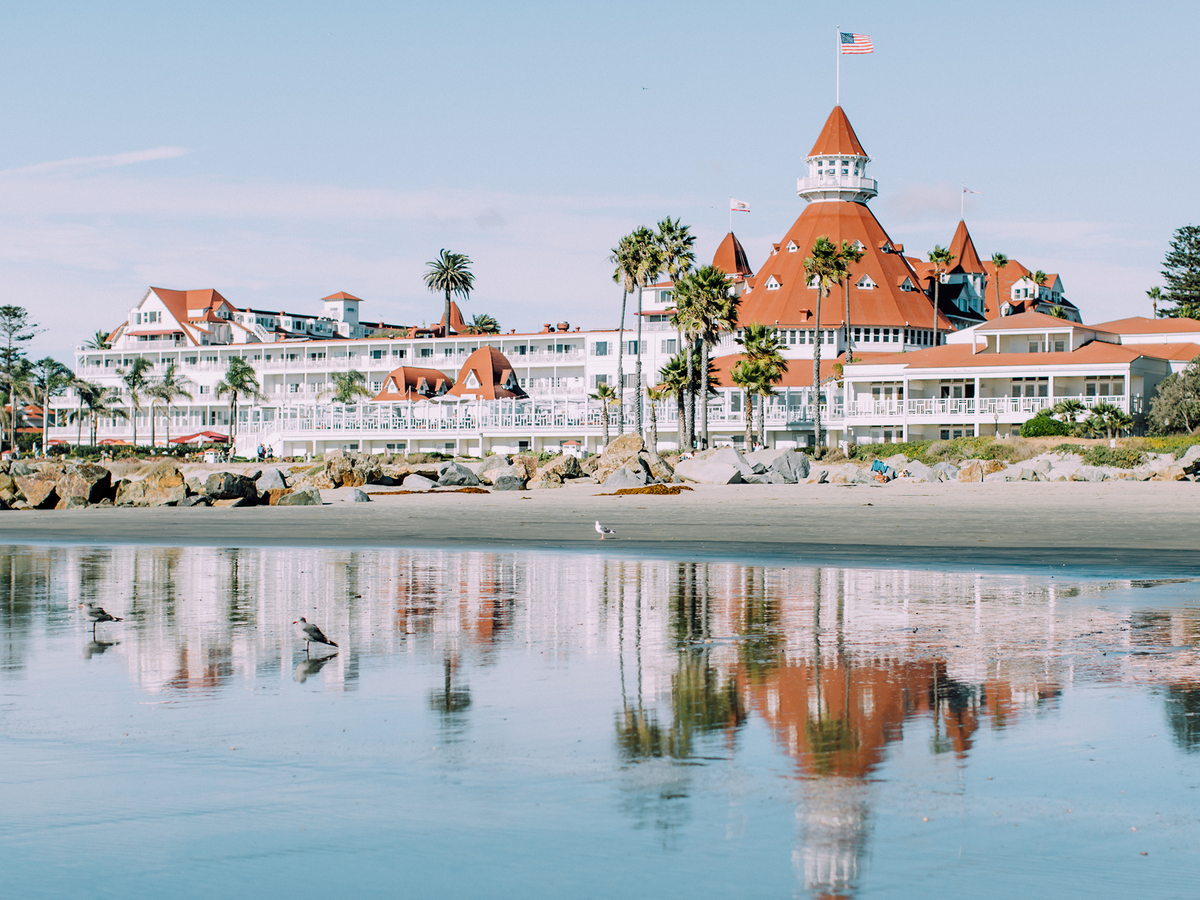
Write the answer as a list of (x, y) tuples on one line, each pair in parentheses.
[(963, 249), (731, 258), (837, 137)]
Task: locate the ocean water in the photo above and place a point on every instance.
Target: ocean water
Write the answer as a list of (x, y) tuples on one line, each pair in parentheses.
[(558, 725)]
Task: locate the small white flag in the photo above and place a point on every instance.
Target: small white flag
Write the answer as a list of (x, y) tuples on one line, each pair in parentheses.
[(738, 205)]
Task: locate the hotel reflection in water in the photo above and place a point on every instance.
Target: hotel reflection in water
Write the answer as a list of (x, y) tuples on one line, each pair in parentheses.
[(836, 662)]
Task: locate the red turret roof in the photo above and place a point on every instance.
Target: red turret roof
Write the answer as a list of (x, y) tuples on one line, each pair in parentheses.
[(413, 383), (457, 325), (896, 300), (731, 258), (342, 295), (966, 260), (488, 375), (837, 137)]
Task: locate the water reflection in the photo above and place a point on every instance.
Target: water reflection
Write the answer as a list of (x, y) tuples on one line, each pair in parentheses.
[(835, 665)]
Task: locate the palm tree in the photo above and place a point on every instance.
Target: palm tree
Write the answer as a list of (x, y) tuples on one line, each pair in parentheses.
[(941, 259), (18, 386), (347, 387), (746, 375), (482, 323), (674, 378), (239, 381), (96, 403), (1069, 409), (999, 260), (851, 255), (648, 263), (450, 274), (674, 255), (98, 341), (166, 391), (1058, 312), (687, 323), (826, 266), (655, 394), (624, 257), (1155, 294), (1111, 418), (136, 382), (49, 379), (607, 397), (763, 346), (712, 310)]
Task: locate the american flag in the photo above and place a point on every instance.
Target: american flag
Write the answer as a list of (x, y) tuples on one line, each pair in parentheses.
[(856, 43)]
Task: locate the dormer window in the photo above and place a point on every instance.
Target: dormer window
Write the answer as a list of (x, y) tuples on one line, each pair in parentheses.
[(858, 245), (773, 283), (791, 246), (865, 283)]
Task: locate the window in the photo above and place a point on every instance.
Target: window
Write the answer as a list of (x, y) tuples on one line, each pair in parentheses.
[(1060, 346), (294, 388), (791, 337), (857, 334), (377, 386), (598, 380), (876, 337), (668, 346), (600, 348), (426, 352), (631, 347), (400, 354), (865, 283), (448, 351), (205, 389), (377, 353)]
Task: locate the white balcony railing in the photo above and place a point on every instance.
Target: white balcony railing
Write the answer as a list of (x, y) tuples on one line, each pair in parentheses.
[(1008, 408)]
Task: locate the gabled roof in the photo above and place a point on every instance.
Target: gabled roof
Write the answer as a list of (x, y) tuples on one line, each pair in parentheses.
[(954, 356), (1032, 320), (1144, 325), (795, 302), (837, 137), (798, 374), (342, 295), (731, 257), (966, 260), (413, 383), (1009, 275), (488, 375)]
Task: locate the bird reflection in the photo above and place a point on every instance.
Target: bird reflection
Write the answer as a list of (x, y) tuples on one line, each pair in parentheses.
[(97, 648), (310, 666), (97, 614)]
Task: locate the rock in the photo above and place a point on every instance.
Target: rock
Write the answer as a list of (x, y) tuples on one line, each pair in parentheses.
[(305, 497), (563, 467), (792, 466), (455, 475), (232, 502), (194, 500), (40, 492), (974, 470), (850, 474), (171, 496), (897, 461), (918, 472), (163, 475), (73, 502), (707, 471), (21, 504), (1190, 461), (996, 476), (271, 497), (21, 468), (7, 484), (509, 471), (658, 468), (756, 479), (624, 478), (730, 456), (763, 457), (508, 483), (1089, 473), (130, 493), (87, 482), (1169, 473), (588, 466), (270, 480), (358, 495), (1041, 465), (626, 443), (195, 486), (547, 481), (416, 482), (528, 464), (945, 471), (228, 486), (490, 465)]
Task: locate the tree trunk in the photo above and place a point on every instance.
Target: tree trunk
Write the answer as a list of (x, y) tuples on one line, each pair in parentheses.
[(45, 421), (703, 395), (846, 294), (446, 329), (153, 435), (652, 437), (621, 359), (679, 395), (167, 428), (936, 281), (637, 408), (689, 428), (762, 420), (821, 289), (748, 418), (133, 418), (604, 420), (79, 430)]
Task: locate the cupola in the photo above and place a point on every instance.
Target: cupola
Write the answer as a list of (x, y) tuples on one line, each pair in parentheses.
[(837, 165)]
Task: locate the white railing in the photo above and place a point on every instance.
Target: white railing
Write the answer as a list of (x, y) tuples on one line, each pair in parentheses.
[(1008, 407), (851, 182)]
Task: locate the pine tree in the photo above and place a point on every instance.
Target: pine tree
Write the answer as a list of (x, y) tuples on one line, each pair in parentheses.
[(1182, 273)]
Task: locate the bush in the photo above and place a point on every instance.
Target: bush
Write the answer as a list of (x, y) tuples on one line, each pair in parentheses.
[(931, 452), (1065, 449), (1044, 425), (1176, 443), (1120, 457)]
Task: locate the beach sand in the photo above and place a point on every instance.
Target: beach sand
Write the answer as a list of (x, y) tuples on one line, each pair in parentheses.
[(1132, 528)]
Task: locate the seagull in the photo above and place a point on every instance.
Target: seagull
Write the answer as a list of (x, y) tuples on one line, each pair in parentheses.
[(310, 634), (97, 614), (603, 530)]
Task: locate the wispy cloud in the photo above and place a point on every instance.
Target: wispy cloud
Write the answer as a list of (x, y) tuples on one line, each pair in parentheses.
[(79, 164)]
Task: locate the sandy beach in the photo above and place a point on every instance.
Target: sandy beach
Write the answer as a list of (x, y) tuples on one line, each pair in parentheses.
[(1135, 528)]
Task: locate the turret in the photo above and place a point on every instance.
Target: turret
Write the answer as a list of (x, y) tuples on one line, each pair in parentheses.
[(837, 165)]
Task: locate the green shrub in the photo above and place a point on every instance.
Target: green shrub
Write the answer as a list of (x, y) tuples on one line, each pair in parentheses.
[(1068, 448), (1119, 457), (1175, 443), (1044, 425), (931, 452)]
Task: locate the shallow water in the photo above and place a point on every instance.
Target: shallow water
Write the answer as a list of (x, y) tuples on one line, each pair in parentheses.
[(552, 725)]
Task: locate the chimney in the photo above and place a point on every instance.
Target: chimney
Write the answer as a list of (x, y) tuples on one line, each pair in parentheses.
[(546, 329), (564, 326)]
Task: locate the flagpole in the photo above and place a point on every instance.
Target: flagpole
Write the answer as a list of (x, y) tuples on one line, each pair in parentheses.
[(837, 49), (731, 215), (962, 202)]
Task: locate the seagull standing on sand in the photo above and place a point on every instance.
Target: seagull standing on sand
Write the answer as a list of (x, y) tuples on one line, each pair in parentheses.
[(310, 634), (97, 614), (603, 530)]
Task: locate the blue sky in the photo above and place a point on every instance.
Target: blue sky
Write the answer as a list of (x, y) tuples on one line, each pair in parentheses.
[(282, 152)]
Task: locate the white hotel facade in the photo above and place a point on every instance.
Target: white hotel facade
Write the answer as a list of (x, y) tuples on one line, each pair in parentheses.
[(994, 360)]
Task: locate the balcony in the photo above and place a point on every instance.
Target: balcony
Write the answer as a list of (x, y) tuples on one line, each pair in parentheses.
[(1007, 408)]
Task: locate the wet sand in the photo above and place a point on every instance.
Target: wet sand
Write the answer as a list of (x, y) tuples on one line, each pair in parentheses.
[(1128, 528)]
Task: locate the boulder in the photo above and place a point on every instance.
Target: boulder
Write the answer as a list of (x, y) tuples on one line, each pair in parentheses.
[(763, 457), (1041, 465), (194, 500), (659, 468), (271, 497), (358, 495), (707, 471), (945, 471), (454, 475), (415, 482), (1190, 461), (490, 465), (7, 484), (974, 470), (195, 486), (918, 472), (544, 481), (305, 497), (228, 486), (626, 443), (563, 467), (1089, 473), (730, 456), (849, 474), (170, 496), (897, 461), (528, 464), (39, 490), (610, 462), (87, 482), (130, 493), (163, 475), (510, 471), (624, 478), (508, 483), (792, 466), (996, 476), (588, 466), (233, 501), (1169, 473), (21, 468), (270, 480)]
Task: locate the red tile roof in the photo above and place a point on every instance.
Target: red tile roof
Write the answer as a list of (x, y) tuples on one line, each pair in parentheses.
[(951, 356), (412, 383), (1032, 320), (456, 321), (342, 295), (1144, 325), (731, 257), (1009, 275), (488, 375), (799, 373), (837, 137), (963, 248), (794, 303)]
